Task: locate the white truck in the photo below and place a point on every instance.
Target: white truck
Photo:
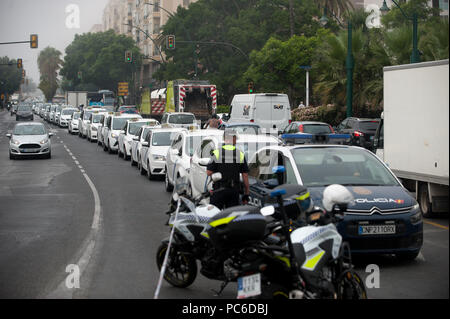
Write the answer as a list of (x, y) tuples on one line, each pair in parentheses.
[(76, 98), (413, 135)]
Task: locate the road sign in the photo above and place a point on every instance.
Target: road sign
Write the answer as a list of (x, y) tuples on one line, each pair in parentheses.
[(122, 89)]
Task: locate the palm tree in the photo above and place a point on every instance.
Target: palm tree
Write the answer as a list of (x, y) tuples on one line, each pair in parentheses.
[(49, 62), (336, 7)]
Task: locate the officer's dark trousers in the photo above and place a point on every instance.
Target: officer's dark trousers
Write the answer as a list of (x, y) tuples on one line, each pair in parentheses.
[(225, 198)]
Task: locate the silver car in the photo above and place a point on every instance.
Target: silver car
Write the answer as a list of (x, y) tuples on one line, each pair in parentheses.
[(29, 139)]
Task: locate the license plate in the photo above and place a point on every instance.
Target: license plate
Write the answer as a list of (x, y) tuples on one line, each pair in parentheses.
[(376, 229), (28, 151), (249, 286)]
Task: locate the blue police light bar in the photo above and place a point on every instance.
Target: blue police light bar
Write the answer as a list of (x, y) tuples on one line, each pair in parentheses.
[(303, 138)]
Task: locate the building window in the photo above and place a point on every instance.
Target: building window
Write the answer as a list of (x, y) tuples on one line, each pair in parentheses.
[(156, 25), (156, 6)]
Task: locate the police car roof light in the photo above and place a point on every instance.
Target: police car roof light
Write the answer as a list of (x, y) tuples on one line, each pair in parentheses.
[(303, 138)]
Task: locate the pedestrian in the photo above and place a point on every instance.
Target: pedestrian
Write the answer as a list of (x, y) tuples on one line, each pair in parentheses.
[(228, 160), (214, 122), (301, 105)]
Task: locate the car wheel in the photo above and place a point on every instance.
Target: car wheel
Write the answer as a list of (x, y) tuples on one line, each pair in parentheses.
[(119, 153), (149, 172), (133, 163), (11, 156), (105, 148), (141, 168), (110, 151), (424, 201), (169, 187)]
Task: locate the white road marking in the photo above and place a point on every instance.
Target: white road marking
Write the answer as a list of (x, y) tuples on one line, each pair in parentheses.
[(87, 249)]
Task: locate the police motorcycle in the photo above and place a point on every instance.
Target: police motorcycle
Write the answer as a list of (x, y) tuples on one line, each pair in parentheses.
[(316, 263), (218, 239)]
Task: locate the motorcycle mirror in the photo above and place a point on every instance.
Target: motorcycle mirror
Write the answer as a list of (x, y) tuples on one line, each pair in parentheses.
[(216, 177), (267, 210), (204, 161)]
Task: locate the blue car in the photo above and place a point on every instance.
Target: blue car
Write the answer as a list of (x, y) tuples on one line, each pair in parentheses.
[(384, 218)]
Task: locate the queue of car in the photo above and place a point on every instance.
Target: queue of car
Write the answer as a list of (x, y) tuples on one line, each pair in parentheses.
[(384, 218)]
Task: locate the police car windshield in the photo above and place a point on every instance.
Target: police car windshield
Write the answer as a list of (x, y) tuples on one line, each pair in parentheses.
[(339, 165), (134, 127), (162, 139), (181, 119)]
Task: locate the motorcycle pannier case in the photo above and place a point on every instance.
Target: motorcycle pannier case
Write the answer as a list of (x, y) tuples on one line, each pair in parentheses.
[(235, 226)]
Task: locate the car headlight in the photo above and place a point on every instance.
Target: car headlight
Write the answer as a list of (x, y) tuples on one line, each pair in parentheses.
[(15, 142), (159, 157), (44, 141), (94, 129), (113, 135), (417, 217)]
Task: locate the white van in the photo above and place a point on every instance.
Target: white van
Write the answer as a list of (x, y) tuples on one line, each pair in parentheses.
[(269, 110)]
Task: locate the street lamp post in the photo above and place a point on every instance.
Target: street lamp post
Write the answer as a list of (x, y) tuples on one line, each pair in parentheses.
[(306, 68), (415, 54)]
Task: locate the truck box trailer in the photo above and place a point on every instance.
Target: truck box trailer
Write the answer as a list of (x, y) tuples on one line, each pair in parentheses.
[(76, 98), (413, 135)]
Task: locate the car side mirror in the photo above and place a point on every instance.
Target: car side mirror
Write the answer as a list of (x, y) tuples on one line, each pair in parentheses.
[(8, 135), (50, 134), (122, 132), (88, 122), (145, 144), (136, 138), (174, 152)]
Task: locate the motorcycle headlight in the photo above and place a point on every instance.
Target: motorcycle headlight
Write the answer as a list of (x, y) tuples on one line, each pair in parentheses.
[(417, 217), (159, 157)]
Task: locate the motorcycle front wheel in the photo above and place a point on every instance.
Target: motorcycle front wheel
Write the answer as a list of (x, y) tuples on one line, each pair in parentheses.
[(350, 286), (181, 269)]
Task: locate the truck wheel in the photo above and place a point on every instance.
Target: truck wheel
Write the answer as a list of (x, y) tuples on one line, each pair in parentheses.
[(424, 201)]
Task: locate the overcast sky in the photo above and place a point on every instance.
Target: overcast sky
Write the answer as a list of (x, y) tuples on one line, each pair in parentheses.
[(47, 18)]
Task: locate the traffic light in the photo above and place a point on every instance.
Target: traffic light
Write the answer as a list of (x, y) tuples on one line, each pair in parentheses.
[(128, 56), (250, 88), (19, 63), (170, 42), (34, 41)]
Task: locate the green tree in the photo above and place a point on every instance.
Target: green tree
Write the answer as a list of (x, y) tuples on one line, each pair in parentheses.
[(10, 76), (276, 67), (49, 62), (97, 60), (244, 24)]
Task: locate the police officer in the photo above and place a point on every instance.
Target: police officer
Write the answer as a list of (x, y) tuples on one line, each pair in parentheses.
[(230, 162)]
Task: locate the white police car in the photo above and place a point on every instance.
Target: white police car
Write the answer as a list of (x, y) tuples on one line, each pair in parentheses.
[(385, 218), (178, 159), (129, 132)]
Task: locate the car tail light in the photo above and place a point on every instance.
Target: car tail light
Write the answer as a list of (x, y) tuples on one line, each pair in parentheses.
[(252, 121), (290, 121), (300, 128), (358, 134)]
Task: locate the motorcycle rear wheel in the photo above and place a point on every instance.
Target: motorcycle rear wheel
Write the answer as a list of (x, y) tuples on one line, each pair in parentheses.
[(181, 270)]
